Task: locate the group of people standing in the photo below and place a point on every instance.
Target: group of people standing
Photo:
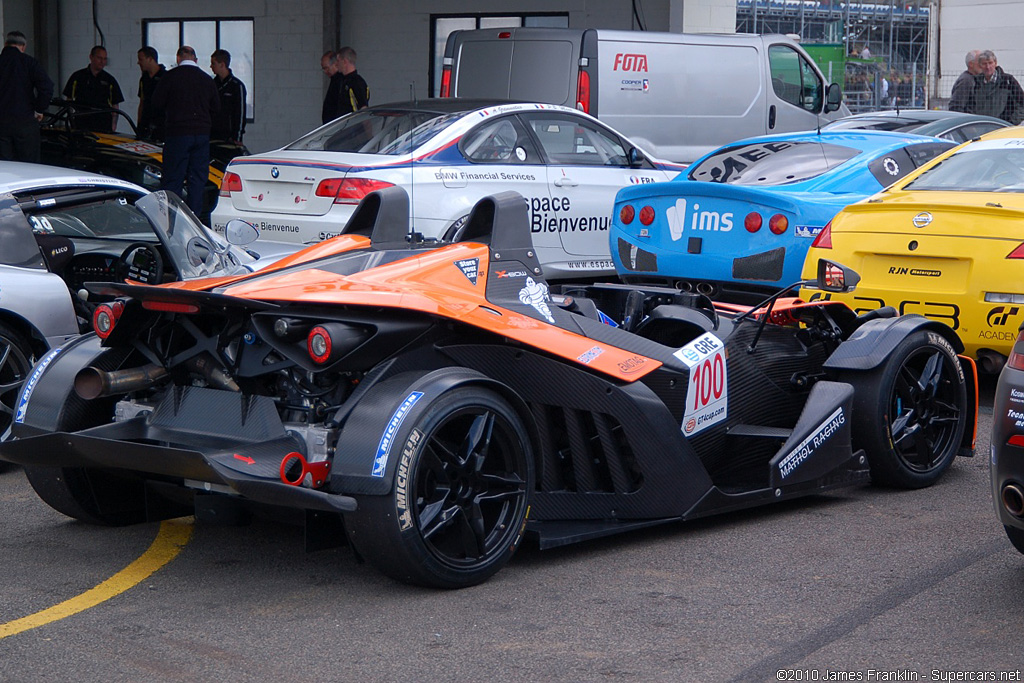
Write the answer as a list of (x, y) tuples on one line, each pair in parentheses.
[(183, 107), (984, 88), (347, 91)]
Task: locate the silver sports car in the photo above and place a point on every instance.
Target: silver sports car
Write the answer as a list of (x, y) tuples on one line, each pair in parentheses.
[(60, 228)]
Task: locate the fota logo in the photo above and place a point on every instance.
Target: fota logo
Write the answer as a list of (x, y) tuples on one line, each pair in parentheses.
[(998, 315), (679, 221), (630, 62)]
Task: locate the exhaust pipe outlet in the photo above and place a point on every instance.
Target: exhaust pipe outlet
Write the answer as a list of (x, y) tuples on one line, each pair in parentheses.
[(684, 285), (1013, 499), (705, 288), (93, 383), (991, 362), (215, 375)]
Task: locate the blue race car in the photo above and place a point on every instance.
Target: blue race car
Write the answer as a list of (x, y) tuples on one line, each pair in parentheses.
[(737, 224)]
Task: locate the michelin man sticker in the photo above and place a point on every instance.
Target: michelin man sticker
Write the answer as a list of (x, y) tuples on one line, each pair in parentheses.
[(536, 294), (707, 393)]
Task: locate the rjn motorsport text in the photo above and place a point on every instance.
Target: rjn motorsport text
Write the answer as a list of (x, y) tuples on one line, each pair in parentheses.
[(896, 675)]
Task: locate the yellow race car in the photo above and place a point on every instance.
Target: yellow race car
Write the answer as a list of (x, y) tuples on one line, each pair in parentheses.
[(946, 241)]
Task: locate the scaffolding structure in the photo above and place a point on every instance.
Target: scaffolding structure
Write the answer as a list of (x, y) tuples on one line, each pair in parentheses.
[(893, 69)]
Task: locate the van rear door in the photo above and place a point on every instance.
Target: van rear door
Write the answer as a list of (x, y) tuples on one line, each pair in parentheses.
[(515, 64)]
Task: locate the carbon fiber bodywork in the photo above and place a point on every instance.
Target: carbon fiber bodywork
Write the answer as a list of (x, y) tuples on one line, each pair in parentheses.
[(684, 410)]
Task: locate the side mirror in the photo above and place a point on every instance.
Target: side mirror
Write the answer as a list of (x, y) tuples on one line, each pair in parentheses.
[(635, 157), (835, 277), (833, 97), (240, 233)]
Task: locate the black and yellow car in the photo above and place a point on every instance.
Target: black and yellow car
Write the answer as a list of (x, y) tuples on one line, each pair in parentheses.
[(123, 154)]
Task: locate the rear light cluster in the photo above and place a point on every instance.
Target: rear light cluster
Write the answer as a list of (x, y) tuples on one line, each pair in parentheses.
[(824, 238), (1018, 252), (319, 344), (778, 224), (326, 342), (583, 92), (753, 222), (105, 317), (231, 183), (349, 190), (1016, 359)]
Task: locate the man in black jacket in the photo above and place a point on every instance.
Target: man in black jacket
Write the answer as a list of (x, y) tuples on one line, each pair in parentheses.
[(150, 122), (229, 122), (347, 91), (188, 98), (94, 88), (25, 91)]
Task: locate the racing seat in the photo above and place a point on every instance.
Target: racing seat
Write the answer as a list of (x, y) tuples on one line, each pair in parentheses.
[(57, 251), (383, 216), (674, 325)]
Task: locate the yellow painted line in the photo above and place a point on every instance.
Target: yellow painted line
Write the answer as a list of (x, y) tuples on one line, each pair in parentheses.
[(172, 537)]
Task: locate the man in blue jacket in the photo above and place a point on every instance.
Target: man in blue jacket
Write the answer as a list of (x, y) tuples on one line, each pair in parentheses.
[(188, 98), (25, 91)]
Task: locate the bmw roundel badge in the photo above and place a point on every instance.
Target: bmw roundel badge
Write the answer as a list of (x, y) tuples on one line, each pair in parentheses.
[(274, 172)]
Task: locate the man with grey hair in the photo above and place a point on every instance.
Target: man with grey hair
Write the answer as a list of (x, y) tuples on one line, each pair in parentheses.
[(25, 91), (963, 89), (997, 93), (189, 100)]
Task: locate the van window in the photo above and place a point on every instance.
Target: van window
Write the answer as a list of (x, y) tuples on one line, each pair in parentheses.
[(531, 70), (770, 163), (574, 141), (502, 140), (794, 79)]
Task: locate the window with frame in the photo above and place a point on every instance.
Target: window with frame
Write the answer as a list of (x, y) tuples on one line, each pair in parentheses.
[(794, 79), (442, 25), (503, 141), (571, 141), (233, 34)]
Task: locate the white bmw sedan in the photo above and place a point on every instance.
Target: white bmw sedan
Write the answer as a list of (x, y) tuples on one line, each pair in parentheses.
[(447, 154)]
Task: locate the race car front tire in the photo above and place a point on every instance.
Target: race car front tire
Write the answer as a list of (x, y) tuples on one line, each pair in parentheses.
[(910, 412), (459, 504)]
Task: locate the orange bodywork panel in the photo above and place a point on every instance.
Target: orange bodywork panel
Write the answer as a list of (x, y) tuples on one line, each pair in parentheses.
[(430, 282)]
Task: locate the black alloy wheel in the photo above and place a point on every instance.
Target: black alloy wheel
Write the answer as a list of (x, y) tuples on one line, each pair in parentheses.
[(15, 364), (458, 507)]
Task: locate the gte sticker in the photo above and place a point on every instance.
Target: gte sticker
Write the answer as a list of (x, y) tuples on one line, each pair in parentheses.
[(402, 506), (380, 462), (536, 294), (30, 385), (707, 396), (470, 267), (812, 443)]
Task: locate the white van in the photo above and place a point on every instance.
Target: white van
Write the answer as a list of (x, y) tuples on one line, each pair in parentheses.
[(678, 95)]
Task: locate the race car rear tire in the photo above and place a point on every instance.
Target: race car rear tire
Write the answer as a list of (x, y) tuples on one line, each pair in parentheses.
[(1016, 537), (91, 496), (910, 413), (458, 508), (15, 364)]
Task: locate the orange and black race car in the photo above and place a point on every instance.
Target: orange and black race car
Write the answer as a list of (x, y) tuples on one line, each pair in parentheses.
[(122, 154), (435, 402)]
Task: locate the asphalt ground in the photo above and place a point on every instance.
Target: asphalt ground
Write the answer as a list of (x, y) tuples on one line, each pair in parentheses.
[(864, 584)]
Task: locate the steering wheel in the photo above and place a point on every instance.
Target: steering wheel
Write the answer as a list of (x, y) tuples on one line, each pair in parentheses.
[(141, 262)]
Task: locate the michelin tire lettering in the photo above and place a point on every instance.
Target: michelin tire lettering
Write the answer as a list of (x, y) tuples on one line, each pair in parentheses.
[(380, 462)]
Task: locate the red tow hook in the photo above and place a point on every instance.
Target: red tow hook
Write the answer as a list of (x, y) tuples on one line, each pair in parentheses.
[(317, 471)]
